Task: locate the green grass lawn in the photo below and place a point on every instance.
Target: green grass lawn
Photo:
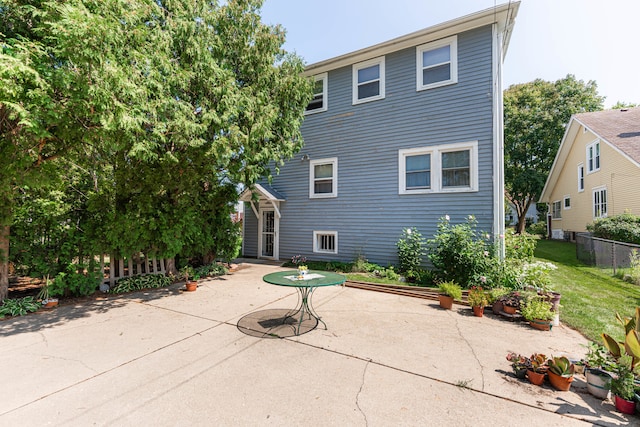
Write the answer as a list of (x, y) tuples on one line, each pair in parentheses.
[(590, 296)]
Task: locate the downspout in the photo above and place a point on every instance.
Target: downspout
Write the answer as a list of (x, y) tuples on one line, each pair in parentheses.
[(498, 143)]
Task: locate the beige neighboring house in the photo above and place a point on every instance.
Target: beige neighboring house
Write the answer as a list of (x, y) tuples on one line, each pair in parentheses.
[(596, 172)]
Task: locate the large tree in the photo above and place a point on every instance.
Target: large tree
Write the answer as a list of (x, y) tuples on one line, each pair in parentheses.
[(535, 117), (165, 105)]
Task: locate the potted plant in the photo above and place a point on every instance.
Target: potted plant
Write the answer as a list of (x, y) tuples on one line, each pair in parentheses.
[(477, 299), (598, 379), (448, 292), (45, 295), (536, 368), (511, 302), (518, 364), (560, 373), (190, 285), (623, 386), (537, 312), (495, 299)]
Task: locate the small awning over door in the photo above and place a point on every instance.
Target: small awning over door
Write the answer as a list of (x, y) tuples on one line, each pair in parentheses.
[(265, 192)]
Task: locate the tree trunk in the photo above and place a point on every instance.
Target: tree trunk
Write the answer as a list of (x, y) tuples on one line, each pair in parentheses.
[(171, 266), (4, 261), (522, 223)]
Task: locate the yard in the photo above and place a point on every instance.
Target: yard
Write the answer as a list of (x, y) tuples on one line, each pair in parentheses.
[(591, 297)]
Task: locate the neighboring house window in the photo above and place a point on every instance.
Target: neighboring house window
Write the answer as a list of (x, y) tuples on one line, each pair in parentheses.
[(567, 202), (437, 63), (580, 177), (440, 168), (325, 242), (319, 101), (600, 202), (323, 178), (593, 157), (368, 80), (556, 210)]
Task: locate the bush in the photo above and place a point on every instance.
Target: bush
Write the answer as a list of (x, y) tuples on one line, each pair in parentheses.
[(538, 229), (136, 283), (519, 246), (622, 228), (76, 280), (410, 252), (461, 254)]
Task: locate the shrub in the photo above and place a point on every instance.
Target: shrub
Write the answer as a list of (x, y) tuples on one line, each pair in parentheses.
[(519, 246), (76, 280), (622, 228), (410, 251), (536, 275), (538, 229), (461, 254)]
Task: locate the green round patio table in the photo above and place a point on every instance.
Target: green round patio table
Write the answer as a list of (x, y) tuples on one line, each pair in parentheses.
[(305, 285)]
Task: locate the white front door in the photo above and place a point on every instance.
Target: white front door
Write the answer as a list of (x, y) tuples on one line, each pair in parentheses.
[(268, 237)]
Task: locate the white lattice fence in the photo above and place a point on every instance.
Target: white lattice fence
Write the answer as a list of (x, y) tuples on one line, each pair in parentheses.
[(115, 269)]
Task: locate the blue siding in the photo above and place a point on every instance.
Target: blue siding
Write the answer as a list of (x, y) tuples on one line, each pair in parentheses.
[(250, 233), (368, 213)]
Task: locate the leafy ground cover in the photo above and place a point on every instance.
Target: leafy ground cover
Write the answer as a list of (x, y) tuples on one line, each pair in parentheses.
[(591, 297)]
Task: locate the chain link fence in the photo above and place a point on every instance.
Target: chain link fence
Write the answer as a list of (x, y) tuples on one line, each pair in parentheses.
[(603, 253)]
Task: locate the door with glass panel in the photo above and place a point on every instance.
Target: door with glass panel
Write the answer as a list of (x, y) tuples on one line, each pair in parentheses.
[(268, 234)]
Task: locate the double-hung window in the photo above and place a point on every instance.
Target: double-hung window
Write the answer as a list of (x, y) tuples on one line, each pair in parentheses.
[(319, 101), (567, 202), (593, 157), (580, 177), (323, 178), (599, 202), (556, 210), (368, 80), (438, 168), (437, 63)]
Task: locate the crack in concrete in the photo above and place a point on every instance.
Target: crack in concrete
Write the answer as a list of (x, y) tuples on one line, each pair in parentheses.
[(475, 356), (364, 372)]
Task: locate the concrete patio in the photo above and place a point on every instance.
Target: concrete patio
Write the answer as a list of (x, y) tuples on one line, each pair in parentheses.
[(168, 357)]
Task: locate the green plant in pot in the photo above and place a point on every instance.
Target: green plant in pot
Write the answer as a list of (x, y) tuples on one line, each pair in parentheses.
[(560, 372), (519, 364), (598, 361), (449, 291), (623, 385), (631, 344), (536, 368), (537, 312)]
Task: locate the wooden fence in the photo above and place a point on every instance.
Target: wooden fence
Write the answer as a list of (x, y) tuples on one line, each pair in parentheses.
[(114, 269)]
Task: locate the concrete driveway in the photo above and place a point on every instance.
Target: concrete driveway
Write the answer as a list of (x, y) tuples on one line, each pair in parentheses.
[(172, 358)]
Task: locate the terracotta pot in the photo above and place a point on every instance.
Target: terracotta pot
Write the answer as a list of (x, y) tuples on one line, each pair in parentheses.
[(559, 382), (543, 325), (597, 383), (191, 286), (446, 301), (51, 302), (478, 311), (535, 378), (509, 310), (625, 406)]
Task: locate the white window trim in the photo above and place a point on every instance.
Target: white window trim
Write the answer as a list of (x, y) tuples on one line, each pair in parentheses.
[(436, 168), (559, 211), (316, 248), (325, 90), (581, 188), (593, 144), (593, 201), (333, 161), (564, 202), (354, 87), (452, 42)]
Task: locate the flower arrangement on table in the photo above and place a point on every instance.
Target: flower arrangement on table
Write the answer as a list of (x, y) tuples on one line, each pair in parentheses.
[(299, 260)]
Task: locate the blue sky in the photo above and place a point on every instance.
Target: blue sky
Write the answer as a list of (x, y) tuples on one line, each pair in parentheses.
[(592, 39)]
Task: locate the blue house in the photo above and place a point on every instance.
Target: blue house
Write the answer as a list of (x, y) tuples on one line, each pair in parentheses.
[(398, 135)]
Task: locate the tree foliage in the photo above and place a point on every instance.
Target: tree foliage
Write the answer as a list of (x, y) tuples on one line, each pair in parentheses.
[(535, 117), (155, 110)]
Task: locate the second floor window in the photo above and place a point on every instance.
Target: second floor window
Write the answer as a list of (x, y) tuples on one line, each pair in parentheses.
[(593, 157), (581, 177), (368, 80), (437, 63), (319, 101)]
